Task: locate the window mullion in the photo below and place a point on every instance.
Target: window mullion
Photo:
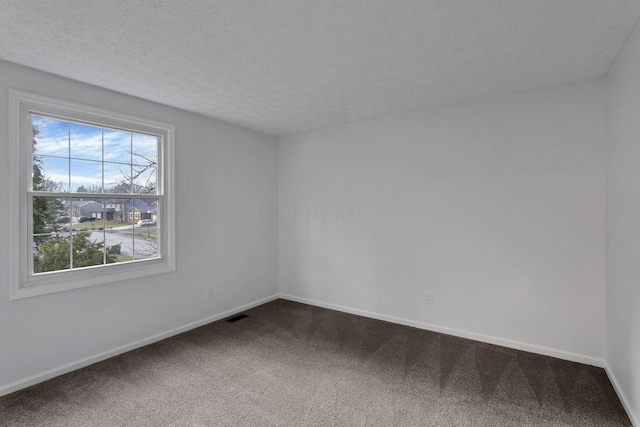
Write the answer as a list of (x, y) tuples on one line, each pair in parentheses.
[(70, 202), (93, 195), (104, 210)]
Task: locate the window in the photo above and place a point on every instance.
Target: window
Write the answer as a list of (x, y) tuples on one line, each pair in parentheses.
[(84, 178)]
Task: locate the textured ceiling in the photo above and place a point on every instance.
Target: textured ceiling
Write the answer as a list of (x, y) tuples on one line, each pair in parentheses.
[(285, 66)]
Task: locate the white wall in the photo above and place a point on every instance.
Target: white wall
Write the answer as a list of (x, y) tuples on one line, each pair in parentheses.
[(623, 221), (496, 206), (224, 174)]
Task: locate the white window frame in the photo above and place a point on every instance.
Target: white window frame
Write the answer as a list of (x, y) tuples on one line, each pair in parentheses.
[(22, 282)]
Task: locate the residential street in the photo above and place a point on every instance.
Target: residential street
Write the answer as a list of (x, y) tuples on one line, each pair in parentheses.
[(143, 248)]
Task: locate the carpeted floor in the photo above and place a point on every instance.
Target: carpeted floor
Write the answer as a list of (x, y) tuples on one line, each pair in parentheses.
[(289, 364)]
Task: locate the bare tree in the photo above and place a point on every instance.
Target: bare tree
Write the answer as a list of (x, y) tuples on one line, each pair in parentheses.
[(142, 169)]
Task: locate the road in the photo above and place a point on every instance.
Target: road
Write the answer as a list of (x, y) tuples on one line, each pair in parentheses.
[(143, 248)]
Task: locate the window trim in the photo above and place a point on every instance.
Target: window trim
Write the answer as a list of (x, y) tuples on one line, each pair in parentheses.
[(21, 285)]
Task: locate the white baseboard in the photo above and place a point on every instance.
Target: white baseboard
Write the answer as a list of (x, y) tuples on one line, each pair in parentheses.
[(52, 373), (623, 397), (560, 354)]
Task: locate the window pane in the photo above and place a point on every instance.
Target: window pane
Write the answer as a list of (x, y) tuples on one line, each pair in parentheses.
[(145, 209), (146, 228), (86, 142), (119, 244), (51, 254), (88, 248), (144, 180), (117, 178), (117, 146), (118, 230), (48, 215), (87, 241), (145, 149), (86, 176), (115, 211), (88, 212), (51, 137), (50, 235), (146, 242), (72, 209), (50, 174)]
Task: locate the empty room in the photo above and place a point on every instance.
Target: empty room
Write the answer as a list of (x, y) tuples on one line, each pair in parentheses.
[(320, 213)]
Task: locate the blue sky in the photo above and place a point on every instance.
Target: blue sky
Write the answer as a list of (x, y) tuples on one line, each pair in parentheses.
[(72, 154)]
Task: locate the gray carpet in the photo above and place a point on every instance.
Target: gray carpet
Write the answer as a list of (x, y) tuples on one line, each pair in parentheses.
[(289, 364)]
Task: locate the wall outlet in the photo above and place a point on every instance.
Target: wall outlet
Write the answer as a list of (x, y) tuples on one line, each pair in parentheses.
[(428, 297), (209, 293)]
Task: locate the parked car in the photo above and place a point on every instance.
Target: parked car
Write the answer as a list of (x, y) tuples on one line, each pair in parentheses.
[(86, 219), (63, 219), (146, 222)]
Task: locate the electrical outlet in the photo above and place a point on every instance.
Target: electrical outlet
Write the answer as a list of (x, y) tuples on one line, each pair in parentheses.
[(209, 293), (428, 298)]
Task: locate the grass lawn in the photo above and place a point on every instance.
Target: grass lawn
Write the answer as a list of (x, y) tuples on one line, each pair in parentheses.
[(124, 258), (97, 224), (144, 233)]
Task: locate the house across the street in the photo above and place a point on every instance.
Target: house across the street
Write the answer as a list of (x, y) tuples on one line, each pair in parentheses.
[(140, 209)]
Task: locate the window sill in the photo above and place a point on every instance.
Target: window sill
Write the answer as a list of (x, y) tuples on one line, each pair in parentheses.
[(82, 278)]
